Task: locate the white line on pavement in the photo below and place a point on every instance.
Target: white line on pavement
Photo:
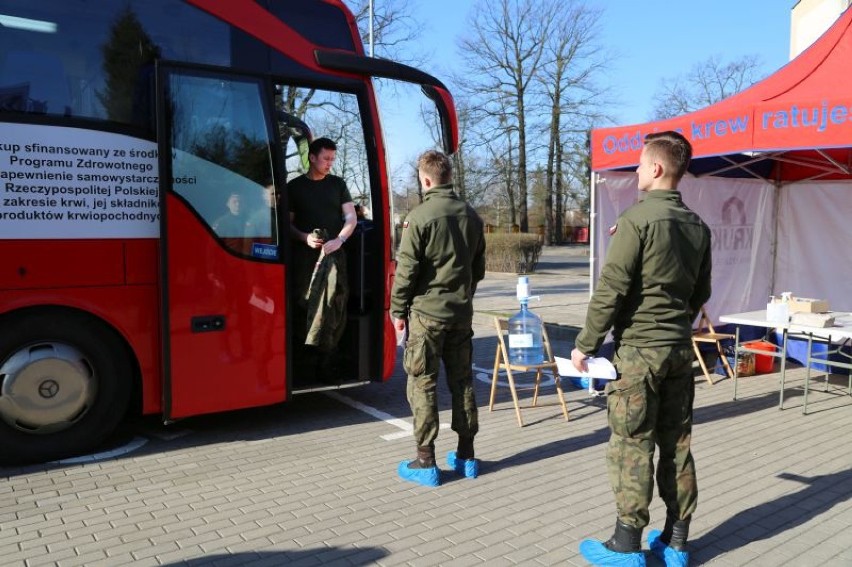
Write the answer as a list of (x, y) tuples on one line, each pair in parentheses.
[(405, 426), (397, 435)]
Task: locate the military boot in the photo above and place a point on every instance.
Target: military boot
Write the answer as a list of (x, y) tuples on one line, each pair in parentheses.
[(669, 545), (623, 549), (421, 470), (462, 460)]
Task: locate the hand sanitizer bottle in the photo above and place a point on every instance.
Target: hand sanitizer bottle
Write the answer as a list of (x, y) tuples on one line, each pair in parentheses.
[(525, 342)]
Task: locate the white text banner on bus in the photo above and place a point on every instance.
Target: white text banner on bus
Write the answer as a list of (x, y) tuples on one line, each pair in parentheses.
[(62, 182)]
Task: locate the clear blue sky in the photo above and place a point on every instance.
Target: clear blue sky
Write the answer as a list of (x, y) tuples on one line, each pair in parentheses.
[(651, 40)]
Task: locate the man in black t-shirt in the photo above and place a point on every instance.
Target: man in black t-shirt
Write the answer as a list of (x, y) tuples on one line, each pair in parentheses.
[(317, 200)]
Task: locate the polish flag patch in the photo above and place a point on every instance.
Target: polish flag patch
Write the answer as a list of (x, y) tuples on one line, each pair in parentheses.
[(612, 229)]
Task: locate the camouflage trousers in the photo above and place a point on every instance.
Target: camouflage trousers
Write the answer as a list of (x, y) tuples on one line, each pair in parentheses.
[(651, 404), (430, 342)]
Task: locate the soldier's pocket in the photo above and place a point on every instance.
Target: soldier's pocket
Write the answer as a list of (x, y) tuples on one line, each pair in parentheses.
[(627, 408), (414, 357)]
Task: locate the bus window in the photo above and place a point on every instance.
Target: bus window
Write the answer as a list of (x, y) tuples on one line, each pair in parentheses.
[(34, 82), (333, 115), (222, 160), (68, 58)]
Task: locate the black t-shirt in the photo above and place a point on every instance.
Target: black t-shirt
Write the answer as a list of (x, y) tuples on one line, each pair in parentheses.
[(232, 226), (318, 204)]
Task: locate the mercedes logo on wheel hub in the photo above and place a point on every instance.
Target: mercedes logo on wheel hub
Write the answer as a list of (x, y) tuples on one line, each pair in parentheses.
[(48, 388)]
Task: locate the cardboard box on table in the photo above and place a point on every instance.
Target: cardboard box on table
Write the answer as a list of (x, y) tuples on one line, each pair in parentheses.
[(780, 311), (810, 313), (807, 305)]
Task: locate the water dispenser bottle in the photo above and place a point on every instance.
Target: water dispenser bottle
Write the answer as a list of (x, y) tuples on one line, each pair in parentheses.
[(525, 344)]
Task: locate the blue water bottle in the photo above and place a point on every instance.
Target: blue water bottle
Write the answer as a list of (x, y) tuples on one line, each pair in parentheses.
[(525, 344)]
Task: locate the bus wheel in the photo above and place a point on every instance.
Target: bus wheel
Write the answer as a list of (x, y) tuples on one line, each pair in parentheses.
[(65, 383)]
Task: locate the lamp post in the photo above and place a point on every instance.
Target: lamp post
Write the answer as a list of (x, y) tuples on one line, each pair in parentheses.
[(371, 27)]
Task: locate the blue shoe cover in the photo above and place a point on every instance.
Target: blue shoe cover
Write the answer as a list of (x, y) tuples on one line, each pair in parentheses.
[(468, 468), (668, 555), (596, 553), (426, 477)]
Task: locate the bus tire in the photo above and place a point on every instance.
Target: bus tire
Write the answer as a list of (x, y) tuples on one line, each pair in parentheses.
[(65, 382)]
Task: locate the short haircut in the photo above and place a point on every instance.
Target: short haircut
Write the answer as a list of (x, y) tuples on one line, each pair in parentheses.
[(672, 149), (437, 166), (321, 144)]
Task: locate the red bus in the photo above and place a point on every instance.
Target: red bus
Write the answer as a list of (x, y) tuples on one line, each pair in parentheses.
[(125, 126)]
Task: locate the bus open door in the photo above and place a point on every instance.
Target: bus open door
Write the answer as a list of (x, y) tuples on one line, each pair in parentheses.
[(222, 272)]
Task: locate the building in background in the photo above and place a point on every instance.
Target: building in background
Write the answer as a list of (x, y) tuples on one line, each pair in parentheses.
[(810, 18)]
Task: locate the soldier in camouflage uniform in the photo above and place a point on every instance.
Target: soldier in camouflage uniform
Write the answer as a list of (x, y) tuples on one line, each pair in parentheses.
[(441, 259), (655, 280)]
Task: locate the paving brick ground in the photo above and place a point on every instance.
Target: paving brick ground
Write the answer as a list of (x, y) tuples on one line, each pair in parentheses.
[(313, 482)]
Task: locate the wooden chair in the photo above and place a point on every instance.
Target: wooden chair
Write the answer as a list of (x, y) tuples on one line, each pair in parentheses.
[(705, 333), (501, 362)]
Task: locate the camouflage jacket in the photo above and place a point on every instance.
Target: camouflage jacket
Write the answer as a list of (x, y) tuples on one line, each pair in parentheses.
[(655, 279), (440, 260)]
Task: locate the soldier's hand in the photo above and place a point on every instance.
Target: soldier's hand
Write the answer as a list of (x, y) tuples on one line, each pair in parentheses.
[(399, 324), (578, 359), (314, 241), (332, 245)]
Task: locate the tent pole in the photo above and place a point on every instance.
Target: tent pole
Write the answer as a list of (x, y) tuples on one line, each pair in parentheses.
[(776, 210), (593, 207)]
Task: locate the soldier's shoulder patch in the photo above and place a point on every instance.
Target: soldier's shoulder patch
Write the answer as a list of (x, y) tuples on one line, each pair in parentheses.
[(405, 224), (612, 229)]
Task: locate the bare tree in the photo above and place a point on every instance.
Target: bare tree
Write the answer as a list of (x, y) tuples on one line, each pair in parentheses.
[(502, 55), (469, 172), (573, 61), (505, 167), (576, 175), (706, 82), (460, 162), (394, 28)]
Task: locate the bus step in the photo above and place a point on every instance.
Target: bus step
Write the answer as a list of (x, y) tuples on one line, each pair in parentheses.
[(326, 387)]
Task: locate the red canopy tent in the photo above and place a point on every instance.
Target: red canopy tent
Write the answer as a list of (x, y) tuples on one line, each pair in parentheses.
[(796, 124), (771, 173)]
